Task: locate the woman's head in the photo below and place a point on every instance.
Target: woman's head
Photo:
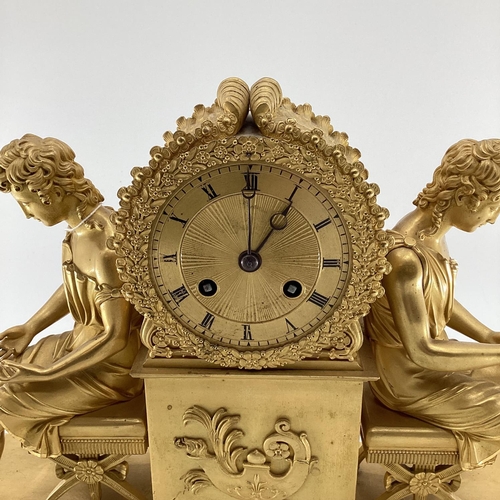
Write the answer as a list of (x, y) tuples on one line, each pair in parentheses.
[(40, 165), (469, 175)]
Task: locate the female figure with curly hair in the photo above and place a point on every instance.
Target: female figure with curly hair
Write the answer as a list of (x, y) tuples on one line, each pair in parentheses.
[(422, 372), (42, 386)]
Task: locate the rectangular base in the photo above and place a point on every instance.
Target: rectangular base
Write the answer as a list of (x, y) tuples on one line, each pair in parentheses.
[(325, 406)]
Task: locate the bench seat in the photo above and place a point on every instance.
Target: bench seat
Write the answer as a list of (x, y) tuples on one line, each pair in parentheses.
[(95, 447), (421, 459)]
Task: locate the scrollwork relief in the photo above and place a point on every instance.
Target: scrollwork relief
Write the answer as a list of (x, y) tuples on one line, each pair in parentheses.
[(274, 472)]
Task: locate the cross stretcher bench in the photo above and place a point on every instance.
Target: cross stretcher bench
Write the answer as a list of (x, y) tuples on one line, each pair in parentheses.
[(95, 447), (421, 459)]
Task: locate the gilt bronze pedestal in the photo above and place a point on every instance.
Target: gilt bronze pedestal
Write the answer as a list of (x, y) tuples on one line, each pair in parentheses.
[(280, 434)]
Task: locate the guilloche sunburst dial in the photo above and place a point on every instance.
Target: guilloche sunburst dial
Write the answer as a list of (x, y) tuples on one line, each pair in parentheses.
[(250, 255)]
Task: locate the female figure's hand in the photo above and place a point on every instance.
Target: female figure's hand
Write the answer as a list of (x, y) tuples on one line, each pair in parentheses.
[(14, 341)]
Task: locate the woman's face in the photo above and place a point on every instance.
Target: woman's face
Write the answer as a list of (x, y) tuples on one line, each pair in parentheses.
[(461, 217), (33, 207)]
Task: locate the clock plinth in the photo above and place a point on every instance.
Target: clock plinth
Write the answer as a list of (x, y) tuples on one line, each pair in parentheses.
[(187, 401)]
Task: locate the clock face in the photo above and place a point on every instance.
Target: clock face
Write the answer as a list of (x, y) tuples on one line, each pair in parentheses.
[(250, 255)]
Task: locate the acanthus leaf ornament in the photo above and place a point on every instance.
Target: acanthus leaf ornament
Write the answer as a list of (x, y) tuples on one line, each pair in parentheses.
[(184, 225), (275, 472)]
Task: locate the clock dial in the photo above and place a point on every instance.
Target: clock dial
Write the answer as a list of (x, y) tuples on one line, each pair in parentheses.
[(250, 255)]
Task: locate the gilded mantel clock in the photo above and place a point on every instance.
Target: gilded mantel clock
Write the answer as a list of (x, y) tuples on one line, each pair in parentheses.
[(252, 243)]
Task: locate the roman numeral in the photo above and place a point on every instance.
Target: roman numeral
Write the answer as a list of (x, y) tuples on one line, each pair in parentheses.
[(169, 258), (247, 334), (322, 224), (179, 294), (210, 191), (208, 321), (318, 299), (289, 326), (251, 180), (331, 262), (176, 219)]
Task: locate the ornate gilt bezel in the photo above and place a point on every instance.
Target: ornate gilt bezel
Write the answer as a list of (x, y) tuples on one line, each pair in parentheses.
[(294, 138)]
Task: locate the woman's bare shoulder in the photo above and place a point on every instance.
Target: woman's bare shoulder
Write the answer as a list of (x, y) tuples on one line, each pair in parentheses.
[(405, 262)]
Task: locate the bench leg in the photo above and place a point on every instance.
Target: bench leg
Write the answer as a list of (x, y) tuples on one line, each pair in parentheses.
[(95, 491), (421, 482), (110, 470), (361, 454)]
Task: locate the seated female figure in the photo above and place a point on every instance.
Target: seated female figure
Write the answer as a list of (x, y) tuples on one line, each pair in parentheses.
[(42, 386), (422, 372)]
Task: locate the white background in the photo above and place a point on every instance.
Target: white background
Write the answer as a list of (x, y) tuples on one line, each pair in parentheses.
[(404, 79)]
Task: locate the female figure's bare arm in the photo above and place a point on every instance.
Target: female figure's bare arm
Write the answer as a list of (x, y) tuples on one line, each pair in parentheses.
[(116, 316), (14, 340), (464, 322), (406, 299)]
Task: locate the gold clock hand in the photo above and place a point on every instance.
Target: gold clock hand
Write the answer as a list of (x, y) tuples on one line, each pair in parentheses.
[(248, 192), (249, 210), (277, 222)]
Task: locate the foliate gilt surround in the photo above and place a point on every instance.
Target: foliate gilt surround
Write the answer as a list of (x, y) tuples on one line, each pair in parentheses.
[(294, 138)]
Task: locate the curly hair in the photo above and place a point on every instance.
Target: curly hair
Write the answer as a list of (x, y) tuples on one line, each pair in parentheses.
[(40, 164), (469, 171)]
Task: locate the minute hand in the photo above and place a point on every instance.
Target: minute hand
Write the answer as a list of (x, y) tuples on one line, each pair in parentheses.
[(278, 222)]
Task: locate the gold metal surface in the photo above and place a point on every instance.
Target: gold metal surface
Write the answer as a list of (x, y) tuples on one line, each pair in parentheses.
[(95, 448), (253, 250), (324, 404), (421, 459), (276, 471), (43, 386), (422, 372), (250, 309)]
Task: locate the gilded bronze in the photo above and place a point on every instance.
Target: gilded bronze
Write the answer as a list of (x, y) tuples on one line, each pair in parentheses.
[(252, 247), (96, 447), (275, 472), (422, 372), (420, 459), (44, 385), (326, 404)]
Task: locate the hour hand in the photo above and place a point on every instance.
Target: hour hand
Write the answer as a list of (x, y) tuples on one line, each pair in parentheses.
[(277, 222), (250, 260), (248, 193)]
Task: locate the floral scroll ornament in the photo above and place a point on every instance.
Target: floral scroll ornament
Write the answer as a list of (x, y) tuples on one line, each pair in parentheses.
[(274, 472)]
